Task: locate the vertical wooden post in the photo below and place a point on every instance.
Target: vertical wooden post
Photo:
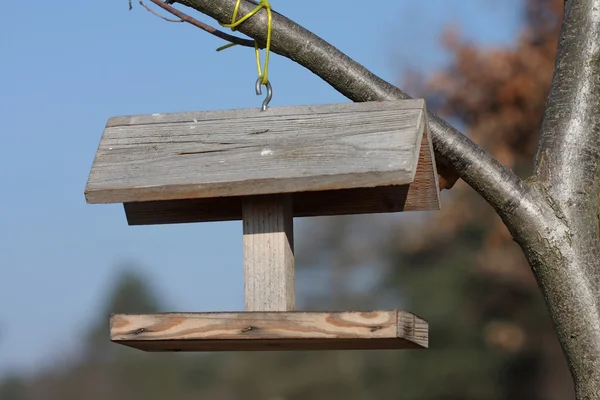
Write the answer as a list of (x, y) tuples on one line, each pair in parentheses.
[(268, 253)]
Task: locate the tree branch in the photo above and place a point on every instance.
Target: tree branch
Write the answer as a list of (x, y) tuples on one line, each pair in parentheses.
[(190, 20), (496, 183), (151, 11), (567, 166)]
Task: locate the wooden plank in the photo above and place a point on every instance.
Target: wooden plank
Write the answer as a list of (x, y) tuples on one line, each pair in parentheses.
[(425, 195), (249, 152), (268, 253), (421, 195), (248, 331)]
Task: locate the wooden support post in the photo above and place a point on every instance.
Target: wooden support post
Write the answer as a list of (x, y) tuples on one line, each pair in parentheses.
[(268, 253)]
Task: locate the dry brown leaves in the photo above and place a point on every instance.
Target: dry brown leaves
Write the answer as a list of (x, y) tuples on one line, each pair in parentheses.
[(499, 95)]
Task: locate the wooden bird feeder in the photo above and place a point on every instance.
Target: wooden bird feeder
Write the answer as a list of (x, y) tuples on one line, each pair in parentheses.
[(265, 168)]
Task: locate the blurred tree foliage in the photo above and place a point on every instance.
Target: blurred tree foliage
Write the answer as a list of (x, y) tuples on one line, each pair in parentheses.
[(490, 338)]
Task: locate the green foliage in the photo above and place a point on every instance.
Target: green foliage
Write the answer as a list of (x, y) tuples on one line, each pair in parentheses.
[(12, 388)]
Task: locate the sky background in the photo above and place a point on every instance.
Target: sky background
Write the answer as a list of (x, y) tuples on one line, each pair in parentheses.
[(68, 66)]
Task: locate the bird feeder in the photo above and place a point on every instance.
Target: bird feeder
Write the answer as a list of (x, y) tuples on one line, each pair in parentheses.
[(265, 168)]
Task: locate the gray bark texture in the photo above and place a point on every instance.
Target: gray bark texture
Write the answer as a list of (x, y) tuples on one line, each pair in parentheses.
[(555, 214)]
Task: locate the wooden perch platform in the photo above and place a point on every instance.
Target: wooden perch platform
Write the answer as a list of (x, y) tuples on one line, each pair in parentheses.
[(352, 158), (249, 331)]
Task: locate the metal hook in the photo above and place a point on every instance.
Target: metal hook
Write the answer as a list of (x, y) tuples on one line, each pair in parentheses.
[(269, 92)]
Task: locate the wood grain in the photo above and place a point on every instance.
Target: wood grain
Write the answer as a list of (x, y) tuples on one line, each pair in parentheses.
[(421, 195), (426, 194), (247, 331), (268, 253), (245, 152)]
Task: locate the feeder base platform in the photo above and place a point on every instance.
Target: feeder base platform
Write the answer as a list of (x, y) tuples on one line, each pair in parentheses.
[(251, 331)]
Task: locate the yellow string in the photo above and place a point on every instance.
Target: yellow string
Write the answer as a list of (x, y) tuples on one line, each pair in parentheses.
[(263, 4)]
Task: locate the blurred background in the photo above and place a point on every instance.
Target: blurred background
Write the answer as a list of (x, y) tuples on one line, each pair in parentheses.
[(66, 67)]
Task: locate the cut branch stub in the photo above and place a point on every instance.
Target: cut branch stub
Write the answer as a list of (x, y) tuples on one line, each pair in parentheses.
[(332, 159)]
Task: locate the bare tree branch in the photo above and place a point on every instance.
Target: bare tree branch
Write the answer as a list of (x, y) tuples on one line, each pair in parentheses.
[(207, 28), (151, 11), (497, 184)]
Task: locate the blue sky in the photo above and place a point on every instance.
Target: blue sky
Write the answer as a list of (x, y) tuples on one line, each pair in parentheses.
[(66, 67)]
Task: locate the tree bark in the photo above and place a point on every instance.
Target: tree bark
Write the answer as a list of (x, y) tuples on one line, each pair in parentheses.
[(496, 183), (555, 214), (567, 170)]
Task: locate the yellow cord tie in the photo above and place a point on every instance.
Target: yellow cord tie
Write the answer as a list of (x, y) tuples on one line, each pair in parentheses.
[(263, 4)]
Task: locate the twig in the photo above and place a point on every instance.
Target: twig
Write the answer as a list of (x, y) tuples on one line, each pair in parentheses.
[(151, 11), (207, 28)]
